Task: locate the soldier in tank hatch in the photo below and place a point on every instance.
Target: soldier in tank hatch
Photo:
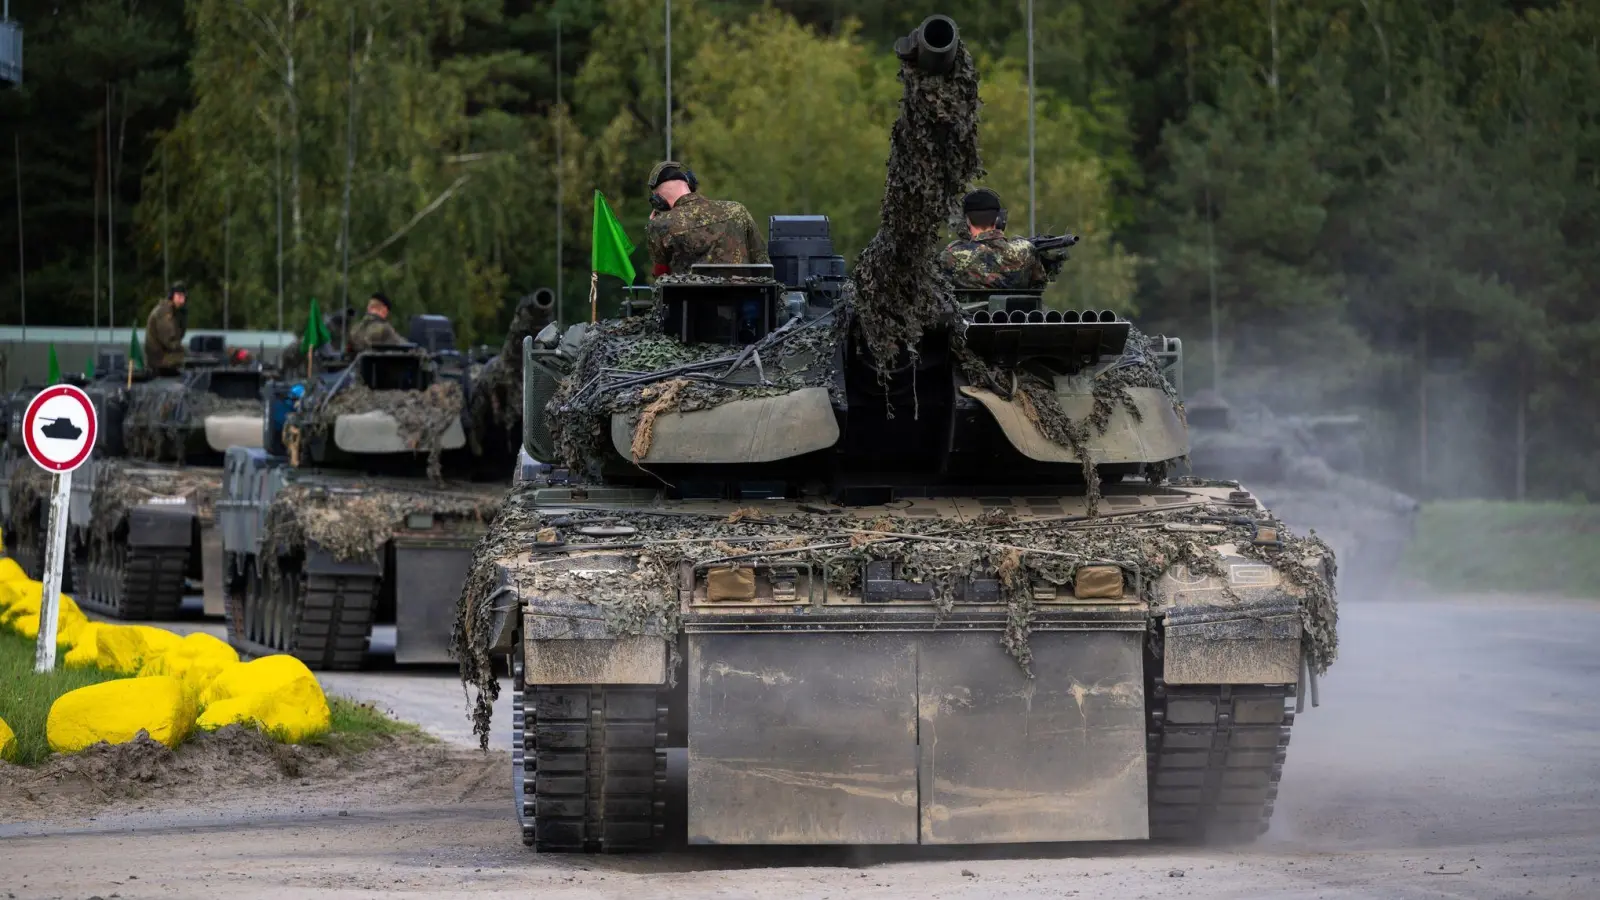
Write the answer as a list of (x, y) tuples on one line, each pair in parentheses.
[(986, 258), (686, 227), (374, 327), (164, 330)]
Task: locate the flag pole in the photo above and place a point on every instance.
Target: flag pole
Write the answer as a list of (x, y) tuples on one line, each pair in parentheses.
[(594, 300)]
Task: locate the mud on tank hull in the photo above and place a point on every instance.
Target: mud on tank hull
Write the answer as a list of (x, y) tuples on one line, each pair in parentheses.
[(823, 717)]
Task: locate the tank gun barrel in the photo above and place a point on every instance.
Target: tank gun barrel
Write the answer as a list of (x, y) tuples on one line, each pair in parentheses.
[(932, 46)]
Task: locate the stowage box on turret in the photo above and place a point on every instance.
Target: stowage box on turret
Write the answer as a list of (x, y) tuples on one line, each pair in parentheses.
[(345, 519), (896, 564)]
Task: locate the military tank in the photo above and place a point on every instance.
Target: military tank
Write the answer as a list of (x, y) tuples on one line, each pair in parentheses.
[(1309, 469), (361, 509), (142, 512), (896, 564)]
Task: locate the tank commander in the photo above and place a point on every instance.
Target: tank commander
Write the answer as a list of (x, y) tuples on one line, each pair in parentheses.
[(686, 227), (986, 258), (374, 327), (164, 330)]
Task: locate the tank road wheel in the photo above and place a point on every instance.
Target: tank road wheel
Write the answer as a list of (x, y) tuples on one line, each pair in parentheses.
[(595, 765), (135, 583), (1216, 755), (322, 620)]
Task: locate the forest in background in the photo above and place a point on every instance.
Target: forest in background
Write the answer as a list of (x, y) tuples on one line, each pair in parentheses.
[(1386, 207)]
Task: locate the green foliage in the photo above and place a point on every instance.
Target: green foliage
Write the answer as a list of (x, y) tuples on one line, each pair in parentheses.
[(1524, 548), (357, 727), (1382, 192)]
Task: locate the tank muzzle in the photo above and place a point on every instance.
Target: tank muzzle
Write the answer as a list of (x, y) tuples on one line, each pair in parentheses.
[(932, 46)]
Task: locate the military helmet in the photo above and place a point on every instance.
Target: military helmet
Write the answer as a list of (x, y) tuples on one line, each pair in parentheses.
[(381, 298), (671, 170)]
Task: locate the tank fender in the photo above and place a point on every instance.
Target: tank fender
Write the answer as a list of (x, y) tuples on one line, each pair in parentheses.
[(1254, 643), (568, 641), (161, 525), (1156, 436)]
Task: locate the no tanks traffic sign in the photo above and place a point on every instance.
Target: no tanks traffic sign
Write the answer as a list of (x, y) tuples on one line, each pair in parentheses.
[(59, 428)]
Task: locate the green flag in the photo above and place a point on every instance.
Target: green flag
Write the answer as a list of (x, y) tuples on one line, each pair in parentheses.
[(316, 330), (135, 350), (88, 369), (54, 373), (610, 249)]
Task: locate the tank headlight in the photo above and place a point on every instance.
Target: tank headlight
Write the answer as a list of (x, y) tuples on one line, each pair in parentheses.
[(1097, 583)]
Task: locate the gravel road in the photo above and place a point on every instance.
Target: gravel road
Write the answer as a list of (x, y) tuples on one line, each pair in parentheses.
[(1456, 754)]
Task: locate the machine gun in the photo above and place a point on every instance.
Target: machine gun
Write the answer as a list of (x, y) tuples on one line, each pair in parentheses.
[(1051, 249)]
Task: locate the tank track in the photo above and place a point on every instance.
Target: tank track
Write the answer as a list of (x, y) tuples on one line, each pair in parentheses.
[(593, 767), (1216, 755), (322, 620), (137, 584)]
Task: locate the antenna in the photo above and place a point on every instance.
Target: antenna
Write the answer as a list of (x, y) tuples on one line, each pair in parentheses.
[(560, 188), (669, 79), (1032, 202)]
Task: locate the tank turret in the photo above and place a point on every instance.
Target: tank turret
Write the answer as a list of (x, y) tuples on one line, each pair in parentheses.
[(882, 552)]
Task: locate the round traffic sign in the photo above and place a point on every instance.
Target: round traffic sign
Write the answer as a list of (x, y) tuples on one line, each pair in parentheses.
[(59, 428)]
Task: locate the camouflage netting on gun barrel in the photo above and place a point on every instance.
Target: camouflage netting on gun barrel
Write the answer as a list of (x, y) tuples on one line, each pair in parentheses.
[(162, 422), (422, 416), (933, 159), (353, 520), (1034, 392), (629, 366), (497, 390), (1018, 553), (121, 485)]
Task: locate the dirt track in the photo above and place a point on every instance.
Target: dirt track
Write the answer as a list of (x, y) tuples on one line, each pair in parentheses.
[(1456, 754)]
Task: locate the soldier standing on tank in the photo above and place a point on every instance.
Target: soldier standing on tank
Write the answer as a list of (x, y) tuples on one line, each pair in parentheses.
[(686, 227), (986, 258), (374, 327), (163, 333)]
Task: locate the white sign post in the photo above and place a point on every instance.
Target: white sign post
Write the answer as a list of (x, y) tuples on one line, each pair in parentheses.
[(58, 430)]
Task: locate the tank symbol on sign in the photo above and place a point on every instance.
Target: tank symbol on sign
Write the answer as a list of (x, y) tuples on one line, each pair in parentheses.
[(61, 429)]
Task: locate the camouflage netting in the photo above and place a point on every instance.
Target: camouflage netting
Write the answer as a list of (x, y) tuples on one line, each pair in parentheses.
[(933, 158), (353, 520), (929, 551), (423, 416), (30, 504), (628, 366), (162, 419), (497, 388), (1034, 392), (120, 485)]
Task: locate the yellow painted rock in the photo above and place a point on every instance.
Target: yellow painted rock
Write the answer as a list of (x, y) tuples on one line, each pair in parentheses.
[(10, 571), (116, 711), (85, 652), (8, 742), (290, 712), (24, 618), (124, 649), (197, 660), (258, 676)]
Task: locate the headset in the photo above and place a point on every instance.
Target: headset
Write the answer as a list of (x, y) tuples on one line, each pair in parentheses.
[(655, 181)]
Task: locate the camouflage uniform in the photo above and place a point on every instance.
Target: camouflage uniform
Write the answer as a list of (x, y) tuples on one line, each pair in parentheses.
[(373, 329), (700, 230), (992, 260), (163, 336)]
